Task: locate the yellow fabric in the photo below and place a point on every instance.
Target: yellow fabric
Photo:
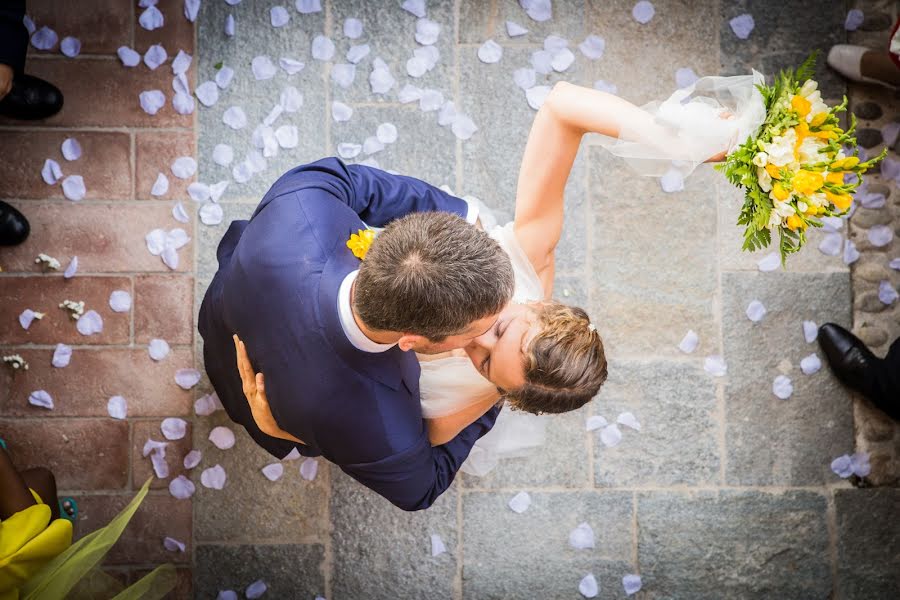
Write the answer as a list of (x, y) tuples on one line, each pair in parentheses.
[(28, 541)]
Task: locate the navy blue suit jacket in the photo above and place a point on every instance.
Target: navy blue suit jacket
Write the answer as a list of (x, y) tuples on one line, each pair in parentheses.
[(277, 288)]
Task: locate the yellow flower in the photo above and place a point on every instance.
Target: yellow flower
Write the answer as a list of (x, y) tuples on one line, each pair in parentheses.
[(793, 222), (780, 192), (850, 162), (835, 177), (818, 119), (841, 201), (360, 241), (801, 105), (772, 170), (807, 182)]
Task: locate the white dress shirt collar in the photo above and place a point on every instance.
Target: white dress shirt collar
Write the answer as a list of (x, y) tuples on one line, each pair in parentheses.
[(348, 323)]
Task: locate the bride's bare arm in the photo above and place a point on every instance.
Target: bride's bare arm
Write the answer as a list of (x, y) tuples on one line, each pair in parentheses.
[(443, 429), (569, 112)]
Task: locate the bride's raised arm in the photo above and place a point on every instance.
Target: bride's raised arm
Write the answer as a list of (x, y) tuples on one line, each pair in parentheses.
[(569, 112)]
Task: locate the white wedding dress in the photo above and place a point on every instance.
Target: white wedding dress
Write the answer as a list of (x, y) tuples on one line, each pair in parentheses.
[(448, 385)]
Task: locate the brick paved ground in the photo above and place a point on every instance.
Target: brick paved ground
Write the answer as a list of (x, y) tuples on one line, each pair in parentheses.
[(726, 491)]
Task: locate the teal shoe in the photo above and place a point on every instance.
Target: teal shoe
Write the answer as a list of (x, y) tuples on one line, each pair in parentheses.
[(68, 509)]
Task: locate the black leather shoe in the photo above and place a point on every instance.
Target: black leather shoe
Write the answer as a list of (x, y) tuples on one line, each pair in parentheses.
[(850, 360), (14, 226), (31, 98)]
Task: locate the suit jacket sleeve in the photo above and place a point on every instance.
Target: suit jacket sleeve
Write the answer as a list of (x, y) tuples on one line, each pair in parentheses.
[(414, 478), (13, 35)]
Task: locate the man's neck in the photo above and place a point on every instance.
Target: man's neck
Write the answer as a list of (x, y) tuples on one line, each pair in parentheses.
[(377, 336)]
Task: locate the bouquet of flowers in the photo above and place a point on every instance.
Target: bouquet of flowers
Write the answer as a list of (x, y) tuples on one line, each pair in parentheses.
[(798, 166)]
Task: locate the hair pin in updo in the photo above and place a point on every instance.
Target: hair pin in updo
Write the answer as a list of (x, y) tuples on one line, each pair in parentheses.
[(592, 328)]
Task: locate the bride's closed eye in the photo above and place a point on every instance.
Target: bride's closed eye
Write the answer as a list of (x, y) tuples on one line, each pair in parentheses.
[(498, 334)]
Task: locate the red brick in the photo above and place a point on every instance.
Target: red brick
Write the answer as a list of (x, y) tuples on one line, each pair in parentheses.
[(105, 164), (44, 294), (142, 468), (155, 151), (101, 25), (93, 376), (177, 33), (164, 308), (84, 454), (159, 516), (105, 237), (100, 92)]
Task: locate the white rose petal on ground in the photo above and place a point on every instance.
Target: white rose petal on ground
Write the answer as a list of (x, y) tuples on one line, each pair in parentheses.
[(415, 7), (211, 213), (595, 422), (177, 238), (71, 149), (756, 311), (490, 52), (672, 181), (520, 502), (322, 48), (173, 428), (181, 487), (437, 545), (343, 74), (263, 68), (562, 60), (117, 407), (192, 459), (291, 100), (855, 18), (223, 155), (537, 95), (810, 364), (409, 93), (229, 25), (851, 254), (842, 466), (643, 12), (255, 589), (224, 76), (588, 586), (340, 111), (207, 405), (895, 264), (353, 28), (51, 172), (73, 188), (890, 132), (513, 29), (187, 378), (160, 186), (120, 301), (810, 331), (180, 214), (308, 469), (41, 399), (348, 150), (70, 271), (288, 136), (61, 356), (158, 349), (156, 241), (235, 117), (859, 464), (386, 133), (831, 244), (525, 77), (208, 93), (278, 16), (151, 18), (582, 537), (173, 545), (592, 46), (160, 466), (44, 38), (222, 438), (181, 63), (26, 318), (213, 477), (715, 365), (879, 235), (782, 387), (357, 53), (152, 445), (689, 342), (184, 167), (371, 145), (538, 10), (769, 262), (611, 436), (463, 127), (632, 584), (685, 76), (416, 67), (431, 100), (89, 323), (128, 56), (155, 56), (742, 26), (191, 9), (306, 7), (628, 420), (273, 471), (542, 61), (606, 86), (427, 31), (886, 292)]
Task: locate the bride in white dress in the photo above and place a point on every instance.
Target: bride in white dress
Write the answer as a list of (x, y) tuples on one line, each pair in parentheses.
[(541, 356)]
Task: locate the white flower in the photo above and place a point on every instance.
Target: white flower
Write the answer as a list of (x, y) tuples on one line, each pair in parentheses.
[(817, 199), (809, 150), (760, 159), (774, 221), (808, 88), (783, 209), (802, 206), (781, 149), (765, 180)]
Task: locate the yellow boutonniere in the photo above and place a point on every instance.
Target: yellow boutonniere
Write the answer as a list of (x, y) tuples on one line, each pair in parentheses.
[(360, 241)]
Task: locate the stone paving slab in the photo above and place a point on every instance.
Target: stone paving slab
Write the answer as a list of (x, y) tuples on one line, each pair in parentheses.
[(869, 543), (733, 544), (288, 570)]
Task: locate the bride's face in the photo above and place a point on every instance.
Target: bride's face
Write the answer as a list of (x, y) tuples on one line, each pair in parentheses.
[(499, 354)]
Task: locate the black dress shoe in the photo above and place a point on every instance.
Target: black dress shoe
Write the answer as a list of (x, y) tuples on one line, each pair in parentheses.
[(14, 226), (31, 98), (851, 361)]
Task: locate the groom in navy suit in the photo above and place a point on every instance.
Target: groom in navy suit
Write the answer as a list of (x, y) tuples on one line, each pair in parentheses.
[(334, 335)]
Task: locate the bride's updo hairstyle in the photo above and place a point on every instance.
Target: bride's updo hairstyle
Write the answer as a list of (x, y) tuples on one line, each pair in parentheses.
[(565, 364)]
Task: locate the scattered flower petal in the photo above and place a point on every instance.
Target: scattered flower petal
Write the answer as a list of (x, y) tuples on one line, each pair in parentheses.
[(117, 407), (192, 459), (643, 12), (173, 428), (71, 149), (588, 586), (278, 16), (158, 349), (353, 28), (490, 52), (879, 235), (235, 117), (628, 420), (769, 262), (632, 584), (184, 167), (61, 356), (155, 56), (173, 545), (715, 365), (416, 7), (181, 487), (514, 29), (128, 56), (855, 18), (44, 38), (120, 301), (595, 422), (742, 25), (537, 95), (756, 311), (222, 437), (538, 10), (211, 213), (89, 323), (810, 331), (520, 502), (810, 364), (437, 545), (340, 111), (308, 469), (213, 477), (306, 7), (290, 65), (73, 188), (41, 398), (886, 292), (152, 101), (582, 537), (273, 471), (255, 589), (207, 405), (322, 48), (782, 387), (51, 172), (187, 378), (611, 435), (263, 68)]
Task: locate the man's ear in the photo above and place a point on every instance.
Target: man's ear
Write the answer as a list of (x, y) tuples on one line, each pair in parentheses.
[(409, 341)]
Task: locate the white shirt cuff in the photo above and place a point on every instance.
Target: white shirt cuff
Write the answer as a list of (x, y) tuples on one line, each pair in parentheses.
[(472, 212)]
